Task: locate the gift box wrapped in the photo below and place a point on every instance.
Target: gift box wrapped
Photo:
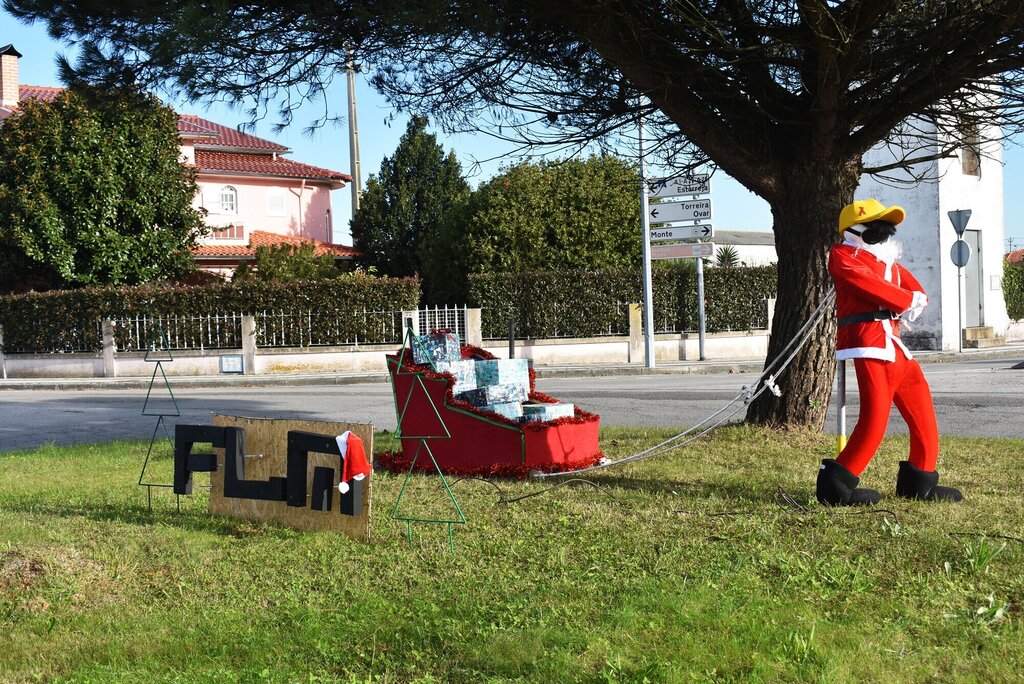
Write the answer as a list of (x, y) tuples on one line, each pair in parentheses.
[(503, 372), (510, 409), (464, 372), (540, 413), (436, 347), (494, 394)]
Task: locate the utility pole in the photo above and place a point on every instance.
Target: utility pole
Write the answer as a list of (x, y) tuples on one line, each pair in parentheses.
[(353, 132), (646, 251)]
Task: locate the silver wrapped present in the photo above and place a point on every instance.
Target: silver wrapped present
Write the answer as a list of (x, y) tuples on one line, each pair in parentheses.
[(511, 409), (436, 347), (494, 394), (464, 372), (503, 372), (540, 413)]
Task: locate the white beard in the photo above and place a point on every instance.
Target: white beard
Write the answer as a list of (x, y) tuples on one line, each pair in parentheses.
[(887, 252)]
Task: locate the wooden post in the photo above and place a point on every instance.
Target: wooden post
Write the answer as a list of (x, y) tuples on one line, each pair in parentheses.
[(109, 349), (3, 364), (636, 334), (248, 345)]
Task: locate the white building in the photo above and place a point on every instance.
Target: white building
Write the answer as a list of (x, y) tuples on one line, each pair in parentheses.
[(752, 248), (972, 179)]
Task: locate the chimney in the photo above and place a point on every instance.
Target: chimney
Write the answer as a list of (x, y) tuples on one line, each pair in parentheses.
[(9, 76)]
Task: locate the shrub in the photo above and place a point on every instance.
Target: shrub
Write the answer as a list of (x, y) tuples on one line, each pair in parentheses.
[(68, 320), (587, 303), (1013, 290)]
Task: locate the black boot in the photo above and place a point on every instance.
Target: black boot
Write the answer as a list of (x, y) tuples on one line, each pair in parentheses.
[(837, 486), (914, 483)]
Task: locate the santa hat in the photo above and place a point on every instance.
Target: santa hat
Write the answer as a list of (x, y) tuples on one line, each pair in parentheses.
[(354, 465)]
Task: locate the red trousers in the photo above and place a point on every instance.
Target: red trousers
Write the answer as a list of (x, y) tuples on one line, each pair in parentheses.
[(882, 383)]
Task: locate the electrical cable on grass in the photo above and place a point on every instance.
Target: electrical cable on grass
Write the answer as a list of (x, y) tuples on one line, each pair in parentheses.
[(766, 381), (503, 498), (986, 535)]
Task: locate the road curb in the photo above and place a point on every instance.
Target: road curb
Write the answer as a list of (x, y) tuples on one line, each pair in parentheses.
[(283, 379)]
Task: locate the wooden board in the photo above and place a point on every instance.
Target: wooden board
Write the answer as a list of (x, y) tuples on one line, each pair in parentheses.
[(266, 451)]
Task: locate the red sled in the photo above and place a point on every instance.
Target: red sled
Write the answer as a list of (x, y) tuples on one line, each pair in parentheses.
[(466, 440)]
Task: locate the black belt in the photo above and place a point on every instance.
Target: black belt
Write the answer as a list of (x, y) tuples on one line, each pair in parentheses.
[(867, 316)]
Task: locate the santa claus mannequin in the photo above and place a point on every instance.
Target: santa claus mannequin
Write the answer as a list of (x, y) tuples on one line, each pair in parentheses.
[(874, 296)]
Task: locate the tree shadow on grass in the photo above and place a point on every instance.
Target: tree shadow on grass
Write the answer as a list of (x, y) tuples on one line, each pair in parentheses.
[(143, 516)]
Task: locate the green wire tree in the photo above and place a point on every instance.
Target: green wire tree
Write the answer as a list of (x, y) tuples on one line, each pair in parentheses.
[(407, 206)]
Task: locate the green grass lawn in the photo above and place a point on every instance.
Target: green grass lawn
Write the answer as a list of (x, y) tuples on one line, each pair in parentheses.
[(679, 569)]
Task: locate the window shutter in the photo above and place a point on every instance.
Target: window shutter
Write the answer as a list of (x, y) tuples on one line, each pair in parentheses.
[(211, 200), (275, 202)]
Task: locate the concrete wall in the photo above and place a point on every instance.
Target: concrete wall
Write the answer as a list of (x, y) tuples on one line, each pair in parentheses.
[(370, 358)]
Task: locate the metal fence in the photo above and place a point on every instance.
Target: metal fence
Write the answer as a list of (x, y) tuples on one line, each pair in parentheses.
[(443, 318), (318, 329), (143, 333)]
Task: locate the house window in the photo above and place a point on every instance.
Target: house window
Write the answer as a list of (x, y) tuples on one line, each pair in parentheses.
[(970, 152), (228, 200), (275, 202)]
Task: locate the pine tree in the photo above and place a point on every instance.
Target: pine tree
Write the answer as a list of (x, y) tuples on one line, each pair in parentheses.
[(407, 205)]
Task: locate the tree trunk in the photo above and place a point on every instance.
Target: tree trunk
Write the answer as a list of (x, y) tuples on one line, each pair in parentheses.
[(806, 213)]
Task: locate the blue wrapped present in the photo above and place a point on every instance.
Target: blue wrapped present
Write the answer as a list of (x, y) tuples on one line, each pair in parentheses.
[(494, 394), (540, 413), (464, 372), (503, 372), (436, 347), (511, 409)]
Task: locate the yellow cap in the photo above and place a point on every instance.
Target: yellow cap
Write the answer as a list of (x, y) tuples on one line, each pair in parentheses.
[(863, 211)]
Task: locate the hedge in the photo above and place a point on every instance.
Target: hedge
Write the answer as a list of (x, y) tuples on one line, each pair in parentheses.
[(68, 320), (1013, 290), (572, 303)]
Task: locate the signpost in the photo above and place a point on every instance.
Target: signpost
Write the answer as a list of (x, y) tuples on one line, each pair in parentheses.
[(690, 250), (686, 210), (681, 233), (684, 200), (961, 255), (646, 248), (697, 184)]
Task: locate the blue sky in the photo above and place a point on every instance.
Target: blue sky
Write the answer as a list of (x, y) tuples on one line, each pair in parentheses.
[(735, 208)]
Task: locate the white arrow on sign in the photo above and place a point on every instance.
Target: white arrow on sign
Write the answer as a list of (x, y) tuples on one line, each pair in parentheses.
[(681, 233), (685, 251), (690, 210), (697, 184)]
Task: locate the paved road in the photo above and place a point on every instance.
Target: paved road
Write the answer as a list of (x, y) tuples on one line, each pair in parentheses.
[(982, 398)]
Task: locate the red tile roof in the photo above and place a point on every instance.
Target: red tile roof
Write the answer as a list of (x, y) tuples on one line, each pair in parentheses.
[(264, 164), (1016, 256), (28, 92), (261, 238), (228, 137), (188, 124)]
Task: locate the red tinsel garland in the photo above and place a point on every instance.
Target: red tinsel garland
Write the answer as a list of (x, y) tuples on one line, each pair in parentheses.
[(397, 462)]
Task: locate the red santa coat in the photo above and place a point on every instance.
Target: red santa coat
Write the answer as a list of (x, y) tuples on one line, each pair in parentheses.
[(863, 284)]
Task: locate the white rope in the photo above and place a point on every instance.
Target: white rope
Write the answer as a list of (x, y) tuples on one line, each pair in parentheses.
[(799, 340)]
